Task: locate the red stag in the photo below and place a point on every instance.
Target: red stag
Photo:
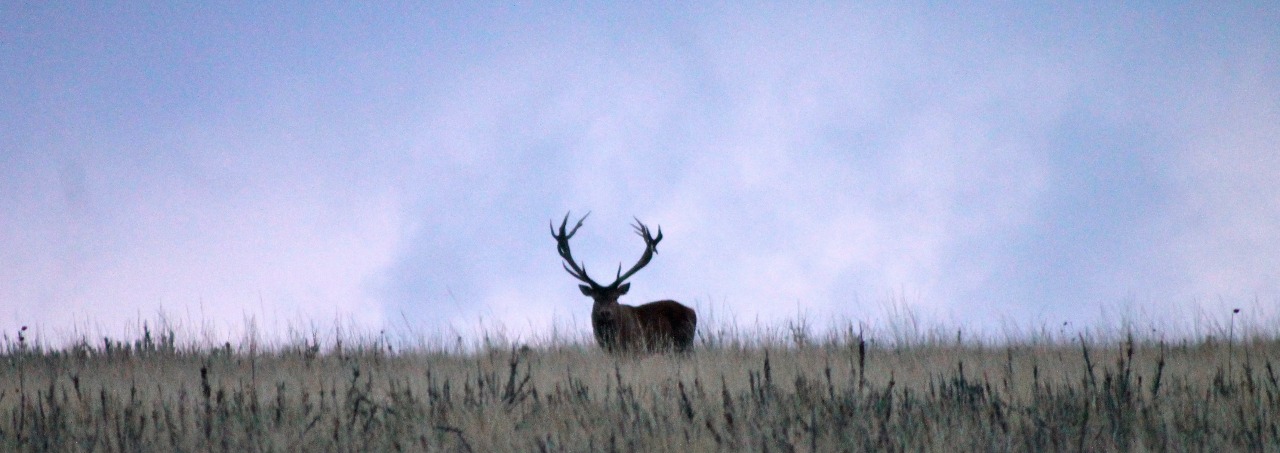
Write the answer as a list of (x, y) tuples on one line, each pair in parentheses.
[(653, 327)]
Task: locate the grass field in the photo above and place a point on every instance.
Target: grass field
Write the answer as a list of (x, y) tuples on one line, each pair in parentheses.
[(736, 392)]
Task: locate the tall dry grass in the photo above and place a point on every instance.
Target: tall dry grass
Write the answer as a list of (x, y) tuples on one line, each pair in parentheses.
[(791, 392)]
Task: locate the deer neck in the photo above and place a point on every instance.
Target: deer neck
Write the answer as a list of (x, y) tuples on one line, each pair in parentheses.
[(615, 325)]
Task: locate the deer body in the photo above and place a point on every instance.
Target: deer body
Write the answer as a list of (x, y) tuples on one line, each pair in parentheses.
[(665, 325)]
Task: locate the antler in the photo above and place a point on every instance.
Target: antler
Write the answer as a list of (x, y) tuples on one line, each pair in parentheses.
[(650, 247), (562, 246)]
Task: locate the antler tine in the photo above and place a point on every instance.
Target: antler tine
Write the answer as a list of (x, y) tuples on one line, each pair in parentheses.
[(580, 274), (562, 247), (650, 248), (564, 223), (643, 231)]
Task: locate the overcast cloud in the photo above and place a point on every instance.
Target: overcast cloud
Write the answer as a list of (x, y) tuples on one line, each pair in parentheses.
[(395, 167)]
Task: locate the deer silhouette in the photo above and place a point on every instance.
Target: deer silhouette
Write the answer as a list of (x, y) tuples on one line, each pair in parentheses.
[(660, 326)]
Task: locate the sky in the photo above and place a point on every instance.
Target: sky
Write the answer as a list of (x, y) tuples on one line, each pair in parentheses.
[(277, 166)]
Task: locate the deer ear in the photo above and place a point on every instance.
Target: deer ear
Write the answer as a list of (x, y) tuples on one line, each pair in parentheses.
[(623, 289), (586, 290)]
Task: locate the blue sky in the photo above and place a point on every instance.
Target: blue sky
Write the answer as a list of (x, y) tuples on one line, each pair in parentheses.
[(395, 165)]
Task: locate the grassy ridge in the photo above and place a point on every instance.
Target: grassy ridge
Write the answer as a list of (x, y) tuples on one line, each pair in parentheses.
[(841, 394)]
